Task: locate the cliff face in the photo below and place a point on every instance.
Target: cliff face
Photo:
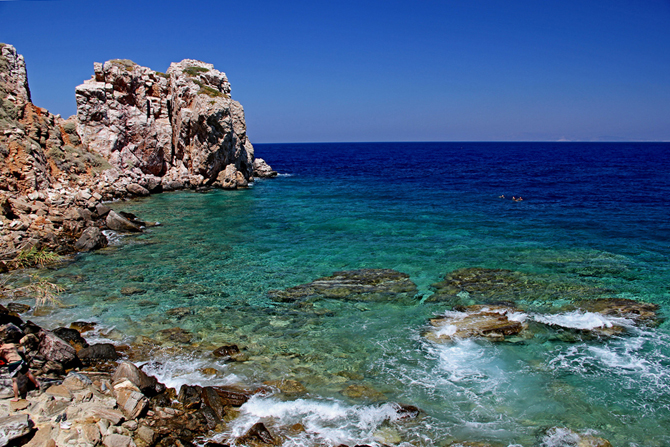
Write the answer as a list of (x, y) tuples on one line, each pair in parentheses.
[(181, 126), (136, 131)]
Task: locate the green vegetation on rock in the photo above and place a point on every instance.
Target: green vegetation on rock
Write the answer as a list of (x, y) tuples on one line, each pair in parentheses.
[(209, 91), (195, 71), (125, 63)]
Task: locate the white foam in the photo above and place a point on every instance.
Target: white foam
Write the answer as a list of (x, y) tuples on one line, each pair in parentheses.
[(582, 320), (328, 422), (177, 371), (447, 330), (113, 238)]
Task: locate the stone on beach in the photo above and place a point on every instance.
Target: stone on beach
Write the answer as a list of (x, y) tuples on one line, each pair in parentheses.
[(383, 285)]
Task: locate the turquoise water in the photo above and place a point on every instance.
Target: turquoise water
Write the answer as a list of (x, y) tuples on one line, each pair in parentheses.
[(593, 223)]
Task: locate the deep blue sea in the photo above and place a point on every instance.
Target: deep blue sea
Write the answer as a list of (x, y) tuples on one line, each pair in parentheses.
[(594, 222)]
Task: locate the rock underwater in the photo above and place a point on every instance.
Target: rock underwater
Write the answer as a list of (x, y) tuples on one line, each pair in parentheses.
[(383, 285)]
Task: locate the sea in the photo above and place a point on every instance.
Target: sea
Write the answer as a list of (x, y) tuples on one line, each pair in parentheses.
[(593, 222)]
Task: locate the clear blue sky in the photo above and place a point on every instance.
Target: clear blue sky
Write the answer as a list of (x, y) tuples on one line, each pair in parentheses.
[(461, 70)]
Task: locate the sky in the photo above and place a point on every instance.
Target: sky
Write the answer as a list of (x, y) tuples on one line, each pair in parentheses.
[(422, 70)]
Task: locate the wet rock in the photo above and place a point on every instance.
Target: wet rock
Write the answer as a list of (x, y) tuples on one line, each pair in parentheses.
[(127, 291), (492, 322), (287, 386), (19, 308), (190, 396), (407, 411), (212, 399), (15, 428), (71, 336), (231, 396), (148, 385), (362, 392), (621, 307), (469, 444), (97, 352), (176, 334), (227, 352), (358, 285), (83, 326), (179, 312), (491, 286), (117, 222), (565, 437), (91, 239), (258, 435)]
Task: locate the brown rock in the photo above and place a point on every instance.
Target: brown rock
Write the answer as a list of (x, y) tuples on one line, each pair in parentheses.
[(478, 321), (258, 435), (212, 399), (56, 349), (232, 396)]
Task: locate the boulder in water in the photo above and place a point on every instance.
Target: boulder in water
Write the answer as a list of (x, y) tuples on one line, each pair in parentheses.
[(492, 322)]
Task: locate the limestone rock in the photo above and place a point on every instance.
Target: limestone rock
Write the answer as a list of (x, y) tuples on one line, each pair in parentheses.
[(358, 285), (117, 222), (492, 322), (178, 126), (263, 170), (91, 239)]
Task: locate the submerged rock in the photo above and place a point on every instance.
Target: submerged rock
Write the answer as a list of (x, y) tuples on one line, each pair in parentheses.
[(478, 285), (624, 308), (492, 322), (565, 437), (91, 239), (357, 285)]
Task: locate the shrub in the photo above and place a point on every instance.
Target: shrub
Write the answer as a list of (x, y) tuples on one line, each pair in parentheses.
[(195, 71)]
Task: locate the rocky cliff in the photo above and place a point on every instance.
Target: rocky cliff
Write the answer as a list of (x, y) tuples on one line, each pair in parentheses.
[(136, 131), (181, 127)]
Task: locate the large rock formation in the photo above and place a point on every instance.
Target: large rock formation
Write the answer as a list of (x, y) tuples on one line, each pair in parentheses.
[(136, 131), (181, 126)]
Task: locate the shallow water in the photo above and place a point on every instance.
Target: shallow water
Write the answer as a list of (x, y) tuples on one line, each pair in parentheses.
[(594, 222)]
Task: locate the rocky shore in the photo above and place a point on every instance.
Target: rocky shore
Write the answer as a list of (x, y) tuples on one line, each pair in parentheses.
[(136, 132), (95, 394)]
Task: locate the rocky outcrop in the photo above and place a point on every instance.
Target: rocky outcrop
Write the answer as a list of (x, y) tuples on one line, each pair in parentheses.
[(137, 131), (492, 322), (181, 126)]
